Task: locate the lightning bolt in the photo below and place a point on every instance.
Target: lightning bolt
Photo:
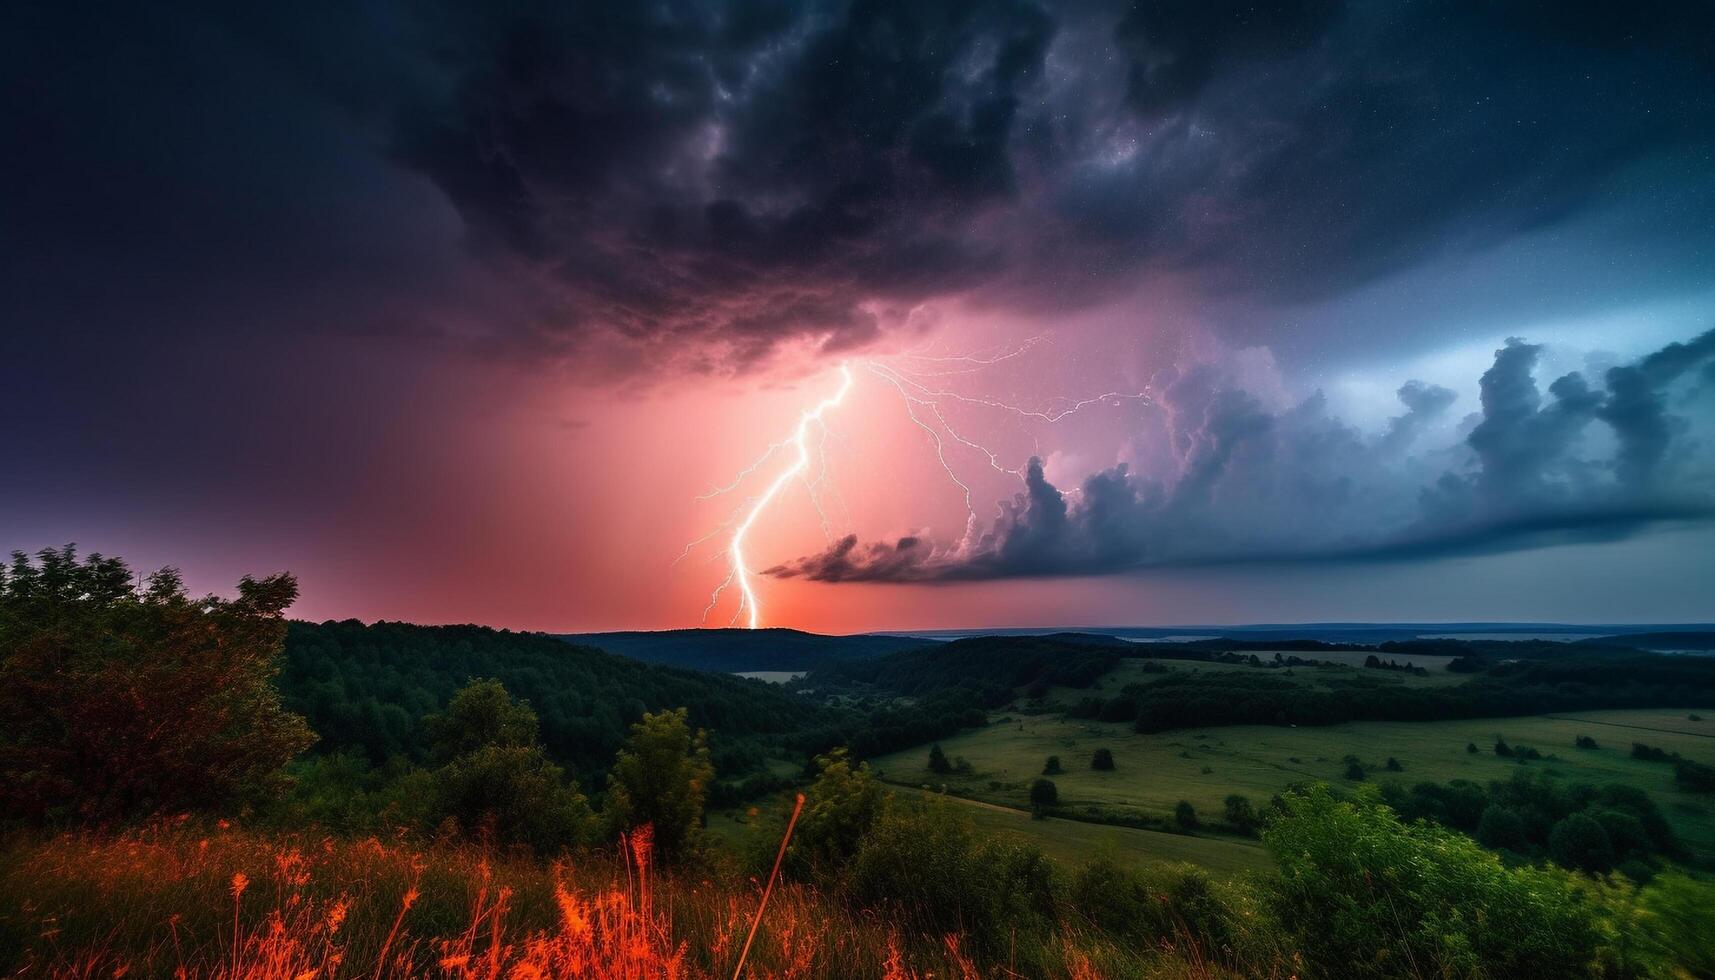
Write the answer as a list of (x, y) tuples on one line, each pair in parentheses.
[(925, 404), (739, 574)]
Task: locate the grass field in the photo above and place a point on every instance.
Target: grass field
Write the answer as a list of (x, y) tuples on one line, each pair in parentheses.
[(1069, 842), (1203, 766)]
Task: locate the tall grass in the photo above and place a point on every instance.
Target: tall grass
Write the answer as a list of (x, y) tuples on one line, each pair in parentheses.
[(178, 900)]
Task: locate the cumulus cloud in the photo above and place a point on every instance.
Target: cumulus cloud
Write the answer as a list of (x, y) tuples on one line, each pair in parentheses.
[(1244, 483)]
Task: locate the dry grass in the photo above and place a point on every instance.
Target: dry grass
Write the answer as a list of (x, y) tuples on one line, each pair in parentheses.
[(176, 900)]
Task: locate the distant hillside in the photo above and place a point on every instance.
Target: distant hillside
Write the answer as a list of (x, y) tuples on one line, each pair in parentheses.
[(730, 651), (1678, 640), (991, 668), (367, 688)]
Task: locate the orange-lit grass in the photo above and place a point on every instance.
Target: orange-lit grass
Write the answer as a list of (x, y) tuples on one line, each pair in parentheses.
[(173, 900)]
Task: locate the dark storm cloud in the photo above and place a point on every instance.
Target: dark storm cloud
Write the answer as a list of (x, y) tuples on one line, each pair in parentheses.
[(740, 174), (703, 181), (1258, 486)]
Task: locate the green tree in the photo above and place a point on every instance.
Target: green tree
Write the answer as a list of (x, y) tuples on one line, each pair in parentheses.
[(1240, 814), (840, 807), (1103, 760), (1052, 766), (497, 784), (1579, 842), (118, 700), (1185, 815), (1502, 829), (661, 778), (1043, 795), (512, 794), (481, 715), (938, 760)]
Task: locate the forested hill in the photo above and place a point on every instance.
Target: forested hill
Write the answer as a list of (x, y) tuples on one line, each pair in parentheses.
[(735, 650), (991, 668), (368, 688)]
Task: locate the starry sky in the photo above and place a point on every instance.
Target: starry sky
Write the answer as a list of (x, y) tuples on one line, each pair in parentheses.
[(1154, 312)]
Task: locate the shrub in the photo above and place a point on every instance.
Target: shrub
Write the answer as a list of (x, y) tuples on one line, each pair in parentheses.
[(1185, 816), (1502, 748), (1503, 830), (1043, 794), (1393, 765), (1694, 776), (512, 795), (661, 778), (840, 807), (1159, 905), (1354, 771), (1580, 842), (928, 868), (1585, 742), (1364, 895), (1239, 814), (1103, 760), (1471, 748), (1052, 766), (938, 762)]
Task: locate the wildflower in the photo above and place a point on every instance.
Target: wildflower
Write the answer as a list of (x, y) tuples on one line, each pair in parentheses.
[(240, 881)]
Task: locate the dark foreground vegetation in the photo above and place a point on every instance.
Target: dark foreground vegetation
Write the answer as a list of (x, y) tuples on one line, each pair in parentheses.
[(166, 816)]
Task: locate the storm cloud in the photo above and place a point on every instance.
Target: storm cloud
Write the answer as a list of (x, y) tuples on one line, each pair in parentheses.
[(704, 182), (1530, 468)]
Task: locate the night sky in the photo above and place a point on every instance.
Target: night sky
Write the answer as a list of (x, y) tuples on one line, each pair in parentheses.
[(1162, 312)]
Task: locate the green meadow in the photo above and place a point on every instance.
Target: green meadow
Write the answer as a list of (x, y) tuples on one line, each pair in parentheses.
[(1154, 772)]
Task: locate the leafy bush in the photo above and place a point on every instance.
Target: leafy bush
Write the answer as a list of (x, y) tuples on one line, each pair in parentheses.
[(840, 807), (1580, 842), (1585, 742), (661, 778), (1364, 895), (927, 867), (118, 701), (1502, 829), (1239, 813), (1185, 816), (1052, 766), (1043, 795), (938, 761), (1102, 760), (512, 795)]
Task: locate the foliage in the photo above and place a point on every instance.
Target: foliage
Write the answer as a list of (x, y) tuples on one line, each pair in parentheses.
[(1522, 813), (938, 760), (118, 700), (1239, 814), (661, 778), (926, 866), (1579, 842), (1568, 682), (989, 668), (840, 807), (512, 795), (1044, 795), (1185, 816), (1102, 760), (481, 715), (1052, 767), (372, 689), (1364, 895)]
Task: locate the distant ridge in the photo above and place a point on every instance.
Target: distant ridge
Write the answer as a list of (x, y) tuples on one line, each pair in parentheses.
[(1342, 632), (732, 651)]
